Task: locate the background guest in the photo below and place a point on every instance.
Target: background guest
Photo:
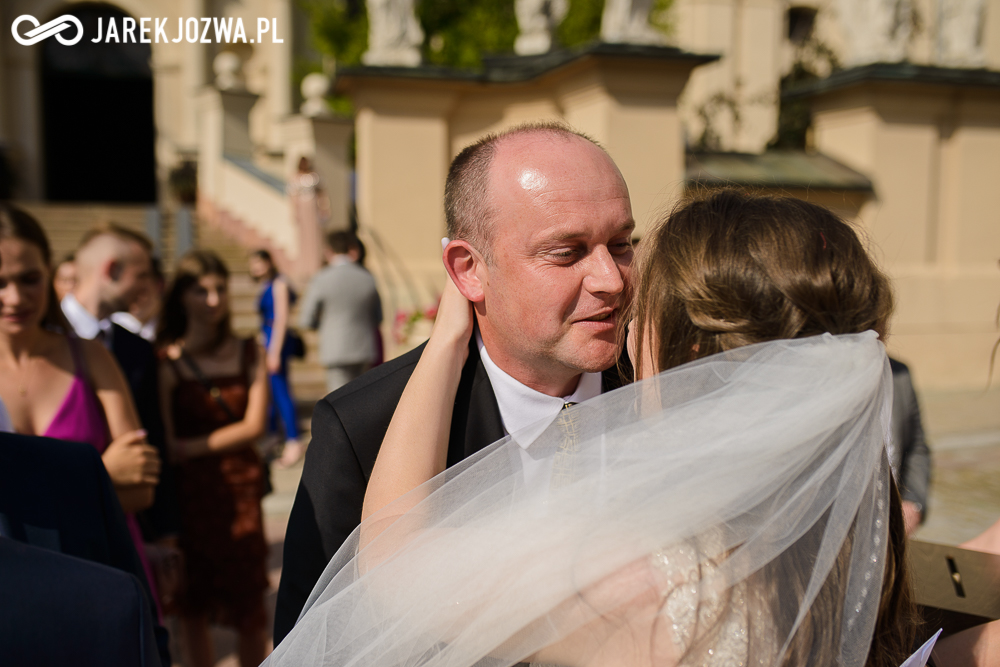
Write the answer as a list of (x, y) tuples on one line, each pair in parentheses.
[(343, 303), (908, 451), (60, 610), (358, 252), (114, 268), (312, 208), (57, 495), (214, 387), (274, 304), (143, 314), (60, 386), (64, 279)]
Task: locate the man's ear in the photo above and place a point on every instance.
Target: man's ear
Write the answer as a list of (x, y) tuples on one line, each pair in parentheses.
[(464, 264), (114, 269)]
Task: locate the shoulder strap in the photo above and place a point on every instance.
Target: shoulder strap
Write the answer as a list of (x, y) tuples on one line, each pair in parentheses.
[(76, 352), (248, 358), (208, 385)]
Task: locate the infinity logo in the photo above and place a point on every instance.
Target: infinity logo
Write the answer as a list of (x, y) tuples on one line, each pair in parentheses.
[(53, 27)]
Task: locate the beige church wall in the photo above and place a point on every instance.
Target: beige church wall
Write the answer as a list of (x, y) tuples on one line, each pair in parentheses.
[(634, 115), (933, 155), (847, 135), (977, 199), (480, 113), (991, 34), (906, 177), (402, 160), (749, 37)]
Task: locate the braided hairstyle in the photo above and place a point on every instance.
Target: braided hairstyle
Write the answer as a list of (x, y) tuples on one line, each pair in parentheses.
[(732, 269)]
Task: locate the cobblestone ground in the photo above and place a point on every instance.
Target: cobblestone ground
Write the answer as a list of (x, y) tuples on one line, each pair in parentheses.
[(965, 489)]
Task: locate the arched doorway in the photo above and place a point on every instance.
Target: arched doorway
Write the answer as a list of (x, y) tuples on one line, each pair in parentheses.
[(97, 115)]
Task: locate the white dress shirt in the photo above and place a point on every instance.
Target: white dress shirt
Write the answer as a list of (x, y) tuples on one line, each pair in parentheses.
[(82, 320), (526, 412), (127, 320)]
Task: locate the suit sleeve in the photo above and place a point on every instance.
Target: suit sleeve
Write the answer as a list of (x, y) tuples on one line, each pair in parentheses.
[(163, 518), (377, 315), (327, 509), (915, 467), (309, 311)]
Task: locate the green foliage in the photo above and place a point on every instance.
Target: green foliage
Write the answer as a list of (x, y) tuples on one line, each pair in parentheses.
[(582, 24), (813, 60), (339, 28), (659, 16), (457, 33)]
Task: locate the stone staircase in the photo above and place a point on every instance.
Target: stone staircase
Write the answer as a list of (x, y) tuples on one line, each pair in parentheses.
[(65, 225)]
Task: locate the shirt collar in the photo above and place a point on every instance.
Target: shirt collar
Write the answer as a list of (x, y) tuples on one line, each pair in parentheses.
[(524, 411), (82, 320)]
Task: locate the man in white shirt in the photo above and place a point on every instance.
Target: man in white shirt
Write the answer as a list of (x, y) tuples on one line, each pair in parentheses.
[(114, 265), (540, 224)]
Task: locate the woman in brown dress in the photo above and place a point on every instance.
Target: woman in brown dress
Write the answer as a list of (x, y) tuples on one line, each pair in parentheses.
[(214, 388)]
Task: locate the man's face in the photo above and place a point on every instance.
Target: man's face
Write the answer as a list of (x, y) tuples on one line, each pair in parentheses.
[(562, 250), (134, 275)]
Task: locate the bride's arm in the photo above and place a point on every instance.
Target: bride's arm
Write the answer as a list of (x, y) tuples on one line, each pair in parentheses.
[(415, 447)]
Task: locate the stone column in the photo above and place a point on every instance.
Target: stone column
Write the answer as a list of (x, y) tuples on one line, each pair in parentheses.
[(279, 71), (632, 112), (402, 162)]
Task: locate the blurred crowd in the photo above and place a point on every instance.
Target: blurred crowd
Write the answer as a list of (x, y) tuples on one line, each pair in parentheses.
[(105, 347)]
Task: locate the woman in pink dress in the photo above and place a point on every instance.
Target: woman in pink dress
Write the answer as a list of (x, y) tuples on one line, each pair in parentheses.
[(60, 386)]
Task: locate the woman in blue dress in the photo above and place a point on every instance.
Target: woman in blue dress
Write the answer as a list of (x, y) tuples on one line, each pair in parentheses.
[(275, 303)]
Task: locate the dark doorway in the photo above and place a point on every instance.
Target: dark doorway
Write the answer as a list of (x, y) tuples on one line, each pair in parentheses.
[(97, 102)]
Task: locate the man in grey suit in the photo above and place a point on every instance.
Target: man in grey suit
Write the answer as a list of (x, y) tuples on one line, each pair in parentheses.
[(908, 453), (344, 305)]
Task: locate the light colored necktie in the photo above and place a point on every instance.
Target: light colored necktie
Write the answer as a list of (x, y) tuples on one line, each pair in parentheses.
[(564, 461)]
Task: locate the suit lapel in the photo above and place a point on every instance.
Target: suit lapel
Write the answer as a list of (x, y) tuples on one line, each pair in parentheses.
[(476, 420)]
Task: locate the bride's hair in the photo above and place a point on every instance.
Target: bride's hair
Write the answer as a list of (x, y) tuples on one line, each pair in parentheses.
[(732, 269)]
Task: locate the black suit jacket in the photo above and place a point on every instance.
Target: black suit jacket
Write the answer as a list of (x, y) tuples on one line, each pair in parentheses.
[(137, 359), (57, 495), (348, 428), (60, 610)]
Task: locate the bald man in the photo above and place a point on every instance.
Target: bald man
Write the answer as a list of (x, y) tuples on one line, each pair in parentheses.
[(544, 258), (114, 265)]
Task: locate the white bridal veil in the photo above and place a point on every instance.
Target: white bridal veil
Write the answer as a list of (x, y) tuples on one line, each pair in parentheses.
[(731, 511)]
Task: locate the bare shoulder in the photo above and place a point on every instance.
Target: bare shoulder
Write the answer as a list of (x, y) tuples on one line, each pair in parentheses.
[(168, 376), (95, 354), (101, 365)]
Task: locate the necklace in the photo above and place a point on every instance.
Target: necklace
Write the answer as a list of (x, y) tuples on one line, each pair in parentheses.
[(22, 382)]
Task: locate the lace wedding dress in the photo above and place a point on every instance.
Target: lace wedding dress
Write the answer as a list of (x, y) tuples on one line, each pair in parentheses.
[(713, 515)]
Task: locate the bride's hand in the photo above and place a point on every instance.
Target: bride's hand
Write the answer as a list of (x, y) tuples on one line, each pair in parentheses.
[(454, 322)]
